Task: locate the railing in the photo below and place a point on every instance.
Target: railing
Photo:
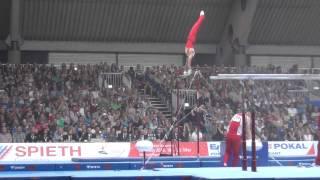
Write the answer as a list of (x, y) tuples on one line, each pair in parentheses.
[(309, 70), (156, 88), (182, 96), (110, 80), (126, 80), (298, 93), (137, 68)]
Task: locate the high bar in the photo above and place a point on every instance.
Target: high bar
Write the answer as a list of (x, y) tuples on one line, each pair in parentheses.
[(266, 77)]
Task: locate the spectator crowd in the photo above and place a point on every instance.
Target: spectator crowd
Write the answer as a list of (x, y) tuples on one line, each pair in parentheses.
[(41, 103)]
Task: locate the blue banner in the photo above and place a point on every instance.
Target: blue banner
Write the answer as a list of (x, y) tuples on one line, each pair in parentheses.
[(261, 155)]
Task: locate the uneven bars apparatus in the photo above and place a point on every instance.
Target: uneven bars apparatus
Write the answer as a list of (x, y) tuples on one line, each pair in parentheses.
[(259, 77)]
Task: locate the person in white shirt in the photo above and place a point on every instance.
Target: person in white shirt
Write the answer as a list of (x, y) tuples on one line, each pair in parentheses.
[(5, 136), (194, 135), (307, 136)]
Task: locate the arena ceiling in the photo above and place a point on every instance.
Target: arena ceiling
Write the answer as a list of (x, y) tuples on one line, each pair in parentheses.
[(4, 18), (121, 20), (289, 22), (284, 22)]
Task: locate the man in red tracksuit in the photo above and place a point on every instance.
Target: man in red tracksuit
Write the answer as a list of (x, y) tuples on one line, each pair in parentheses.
[(318, 156), (192, 37), (234, 137)]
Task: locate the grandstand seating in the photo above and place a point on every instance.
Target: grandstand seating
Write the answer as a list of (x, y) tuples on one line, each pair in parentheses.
[(41, 103)]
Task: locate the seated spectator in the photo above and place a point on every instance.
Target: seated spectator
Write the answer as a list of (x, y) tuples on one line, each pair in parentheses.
[(112, 135), (70, 136), (123, 136), (307, 136), (46, 136), (18, 136), (32, 136), (58, 135)]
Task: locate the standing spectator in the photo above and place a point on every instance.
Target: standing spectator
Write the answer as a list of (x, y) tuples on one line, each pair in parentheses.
[(198, 117), (185, 132), (264, 134), (210, 129), (131, 72), (259, 126)]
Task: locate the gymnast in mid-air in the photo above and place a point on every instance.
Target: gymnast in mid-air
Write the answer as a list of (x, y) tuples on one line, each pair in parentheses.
[(189, 48)]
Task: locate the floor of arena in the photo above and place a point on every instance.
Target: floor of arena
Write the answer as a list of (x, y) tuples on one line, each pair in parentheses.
[(291, 172)]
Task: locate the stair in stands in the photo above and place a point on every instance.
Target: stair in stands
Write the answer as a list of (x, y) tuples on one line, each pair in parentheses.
[(157, 104)]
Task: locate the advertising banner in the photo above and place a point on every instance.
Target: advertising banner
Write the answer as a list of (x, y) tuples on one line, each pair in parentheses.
[(61, 151), (292, 148), (67, 151), (168, 148), (214, 149), (261, 155)]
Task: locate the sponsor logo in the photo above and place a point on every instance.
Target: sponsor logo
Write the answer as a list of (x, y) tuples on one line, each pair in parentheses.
[(167, 165), (292, 149), (288, 146), (47, 151), (214, 147), (93, 167), (214, 154), (102, 151), (4, 150), (18, 167)]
